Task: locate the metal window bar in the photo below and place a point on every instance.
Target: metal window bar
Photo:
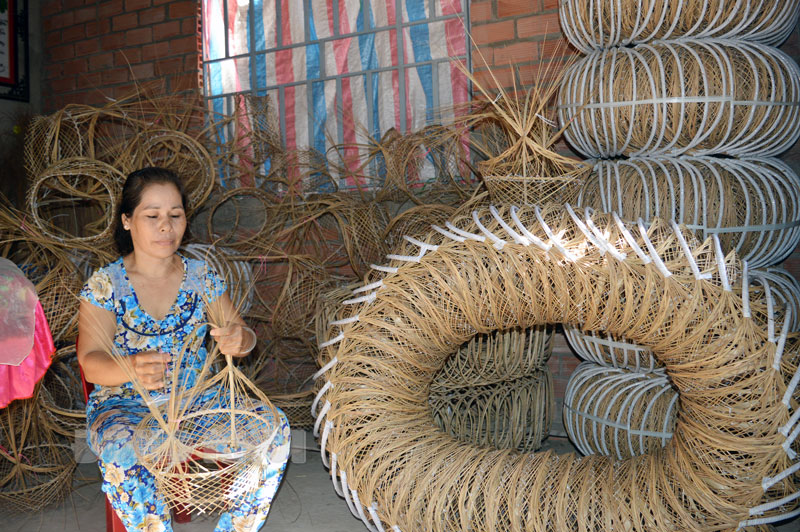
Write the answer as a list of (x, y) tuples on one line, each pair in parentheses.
[(402, 67)]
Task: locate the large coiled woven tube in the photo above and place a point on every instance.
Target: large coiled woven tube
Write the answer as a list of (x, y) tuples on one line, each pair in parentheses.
[(691, 96), (594, 24), (729, 462)]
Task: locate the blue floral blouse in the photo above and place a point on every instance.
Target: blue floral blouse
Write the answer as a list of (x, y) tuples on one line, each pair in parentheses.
[(137, 331)]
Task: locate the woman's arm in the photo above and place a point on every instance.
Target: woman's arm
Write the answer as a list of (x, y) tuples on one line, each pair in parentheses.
[(96, 329), (232, 335)]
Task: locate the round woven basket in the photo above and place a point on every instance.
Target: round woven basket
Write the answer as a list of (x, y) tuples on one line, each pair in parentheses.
[(691, 96), (618, 412), (752, 204), (514, 414), (37, 477), (208, 446), (80, 192), (595, 24), (199, 475)]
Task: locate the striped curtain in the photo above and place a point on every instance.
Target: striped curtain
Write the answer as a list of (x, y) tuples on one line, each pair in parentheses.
[(337, 71)]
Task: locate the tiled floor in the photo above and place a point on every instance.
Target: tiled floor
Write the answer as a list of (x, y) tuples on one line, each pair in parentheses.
[(306, 502)]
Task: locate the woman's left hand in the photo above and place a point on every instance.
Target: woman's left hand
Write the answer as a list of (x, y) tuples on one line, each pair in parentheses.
[(234, 340)]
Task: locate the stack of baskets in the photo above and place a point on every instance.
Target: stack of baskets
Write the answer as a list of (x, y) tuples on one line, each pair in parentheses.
[(682, 108)]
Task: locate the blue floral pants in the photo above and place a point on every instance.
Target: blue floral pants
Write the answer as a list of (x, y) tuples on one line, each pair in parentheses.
[(131, 488)]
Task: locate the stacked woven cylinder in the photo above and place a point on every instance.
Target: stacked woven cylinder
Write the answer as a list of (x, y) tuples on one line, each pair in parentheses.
[(682, 107)]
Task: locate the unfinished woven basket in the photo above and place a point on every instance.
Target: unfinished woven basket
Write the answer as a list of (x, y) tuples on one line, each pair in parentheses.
[(35, 466), (208, 459), (513, 414), (617, 412), (72, 191), (730, 463), (752, 204), (595, 24), (703, 97)]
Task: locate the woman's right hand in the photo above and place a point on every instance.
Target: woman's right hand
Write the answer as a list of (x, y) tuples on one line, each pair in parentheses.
[(150, 367)]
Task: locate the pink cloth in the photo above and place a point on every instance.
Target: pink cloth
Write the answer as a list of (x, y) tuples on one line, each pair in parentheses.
[(18, 382)]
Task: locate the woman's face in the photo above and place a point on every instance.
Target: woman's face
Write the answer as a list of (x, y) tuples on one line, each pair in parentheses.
[(157, 224)]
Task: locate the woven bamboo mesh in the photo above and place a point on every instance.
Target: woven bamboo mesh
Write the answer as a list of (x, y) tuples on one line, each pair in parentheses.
[(617, 412), (249, 217), (506, 415), (286, 290), (595, 24), (779, 289), (61, 393), (728, 464), (691, 96), (415, 222), (36, 468), (283, 369), (752, 204), (497, 357)]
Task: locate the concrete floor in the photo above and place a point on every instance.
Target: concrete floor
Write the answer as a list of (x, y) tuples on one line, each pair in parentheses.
[(306, 501)]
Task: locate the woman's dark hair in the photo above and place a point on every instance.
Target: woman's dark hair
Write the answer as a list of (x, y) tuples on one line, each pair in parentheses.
[(132, 192)]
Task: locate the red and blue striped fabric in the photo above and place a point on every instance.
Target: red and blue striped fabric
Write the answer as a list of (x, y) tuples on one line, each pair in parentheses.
[(340, 70)]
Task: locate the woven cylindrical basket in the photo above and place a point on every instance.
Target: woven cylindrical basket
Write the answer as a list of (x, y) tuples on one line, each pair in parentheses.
[(751, 204), (690, 96), (595, 24), (514, 414), (178, 152), (618, 412)]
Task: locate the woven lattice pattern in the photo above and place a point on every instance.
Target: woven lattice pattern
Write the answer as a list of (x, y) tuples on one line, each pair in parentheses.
[(504, 415), (690, 96), (594, 24), (728, 464)]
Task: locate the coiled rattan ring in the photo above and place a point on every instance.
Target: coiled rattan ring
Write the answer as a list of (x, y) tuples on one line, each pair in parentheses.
[(728, 464)]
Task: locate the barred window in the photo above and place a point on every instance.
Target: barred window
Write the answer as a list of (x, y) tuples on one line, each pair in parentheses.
[(334, 72)]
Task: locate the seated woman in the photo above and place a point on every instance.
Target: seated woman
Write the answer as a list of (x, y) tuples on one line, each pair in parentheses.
[(148, 304)]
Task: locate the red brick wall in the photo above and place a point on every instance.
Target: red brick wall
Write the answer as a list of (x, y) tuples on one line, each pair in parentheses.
[(96, 50), (516, 40)]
